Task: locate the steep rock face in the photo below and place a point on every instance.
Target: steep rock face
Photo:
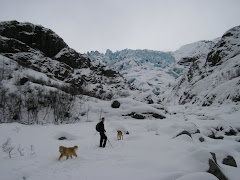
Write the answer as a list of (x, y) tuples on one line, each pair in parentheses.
[(226, 48), (72, 58), (37, 37), (190, 53), (213, 80), (41, 50)]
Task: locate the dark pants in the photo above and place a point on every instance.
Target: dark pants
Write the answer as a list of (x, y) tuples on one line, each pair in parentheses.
[(103, 139)]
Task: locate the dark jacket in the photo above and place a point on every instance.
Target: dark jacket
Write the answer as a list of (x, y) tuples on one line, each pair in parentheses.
[(101, 127)]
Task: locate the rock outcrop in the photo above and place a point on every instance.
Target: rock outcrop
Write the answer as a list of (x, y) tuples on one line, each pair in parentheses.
[(214, 79), (40, 49)]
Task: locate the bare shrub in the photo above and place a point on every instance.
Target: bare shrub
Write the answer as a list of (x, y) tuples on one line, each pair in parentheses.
[(61, 103), (35, 104), (14, 105), (3, 104), (20, 150), (32, 150), (16, 129), (7, 147)]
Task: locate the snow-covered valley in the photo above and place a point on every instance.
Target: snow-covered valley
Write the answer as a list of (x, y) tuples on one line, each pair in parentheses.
[(181, 109), (151, 150)]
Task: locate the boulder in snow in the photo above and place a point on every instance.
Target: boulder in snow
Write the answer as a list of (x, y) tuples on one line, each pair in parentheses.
[(184, 132), (115, 104), (214, 168), (230, 161)]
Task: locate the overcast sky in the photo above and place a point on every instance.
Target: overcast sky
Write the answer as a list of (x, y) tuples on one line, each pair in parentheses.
[(163, 25)]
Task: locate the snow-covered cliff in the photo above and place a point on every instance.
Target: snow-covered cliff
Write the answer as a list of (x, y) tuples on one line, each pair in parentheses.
[(213, 80)]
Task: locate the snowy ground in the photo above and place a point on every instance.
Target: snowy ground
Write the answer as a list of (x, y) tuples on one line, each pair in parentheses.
[(149, 152)]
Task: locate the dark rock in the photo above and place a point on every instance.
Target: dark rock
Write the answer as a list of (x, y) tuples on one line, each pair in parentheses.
[(13, 46), (149, 100), (198, 131), (73, 59), (213, 136), (23, 80), (142, 116), (214, 157), (115, 104), (236, 98), (184, 132), (62, 138), (138, 116), (187, 61), (219, 137), (127, 132), (230, 161), (231, 132), (37, 37), (215, 169), (155, 115), (201, 139), (135, 115), (158, 116), (219, 129), (109, 73), (214, 57)]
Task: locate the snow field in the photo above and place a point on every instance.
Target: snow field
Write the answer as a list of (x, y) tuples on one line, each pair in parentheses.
[(150, 151)]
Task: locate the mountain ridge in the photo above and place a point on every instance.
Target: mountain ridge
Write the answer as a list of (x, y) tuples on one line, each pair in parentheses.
[(213, 80), (39, 48), (133, 64)]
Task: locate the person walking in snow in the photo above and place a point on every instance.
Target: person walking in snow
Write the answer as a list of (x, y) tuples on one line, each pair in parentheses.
[(103, 137)]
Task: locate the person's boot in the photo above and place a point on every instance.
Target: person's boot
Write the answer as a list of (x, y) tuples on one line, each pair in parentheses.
[(101, 141), (105, 141)]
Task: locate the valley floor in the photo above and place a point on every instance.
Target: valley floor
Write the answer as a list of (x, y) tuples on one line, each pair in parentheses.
[(149, 152)]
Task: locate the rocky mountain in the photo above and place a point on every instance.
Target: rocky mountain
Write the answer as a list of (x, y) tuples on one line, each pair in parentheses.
[(213, 79), (147, 70), (40, 50), (188, 54), (151, 71)]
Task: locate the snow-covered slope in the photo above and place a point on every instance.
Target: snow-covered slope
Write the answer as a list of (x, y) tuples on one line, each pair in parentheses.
[(152, 71), (193, 50), (42, 79), (170, 142), (146, 70), (214, 79), (41, 50), (186, 55), (150, 151)]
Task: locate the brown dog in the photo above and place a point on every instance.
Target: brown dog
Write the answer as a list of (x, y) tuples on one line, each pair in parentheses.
[(119, 135), (67, 151)]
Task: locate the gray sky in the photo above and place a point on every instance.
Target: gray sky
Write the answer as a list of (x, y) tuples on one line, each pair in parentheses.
[(163, 25)]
